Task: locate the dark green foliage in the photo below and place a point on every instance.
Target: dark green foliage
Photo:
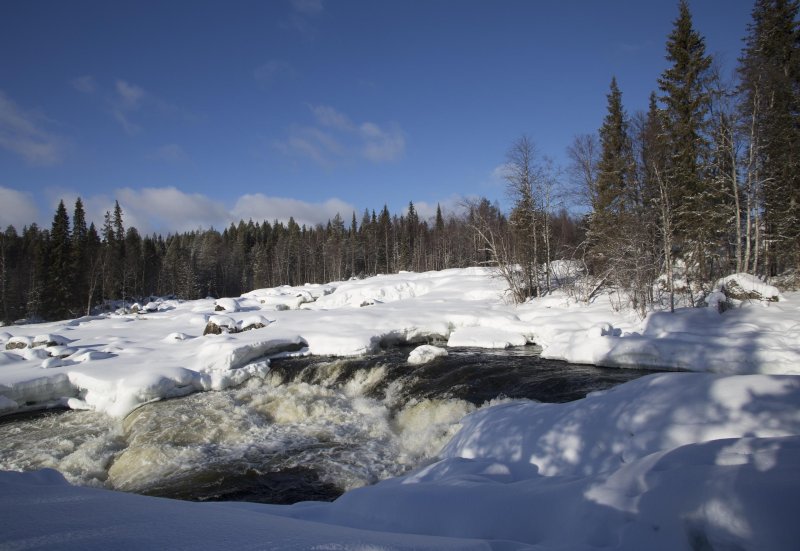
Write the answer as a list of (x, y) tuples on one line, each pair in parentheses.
[(242, 257), (770, 85), (59, 275)]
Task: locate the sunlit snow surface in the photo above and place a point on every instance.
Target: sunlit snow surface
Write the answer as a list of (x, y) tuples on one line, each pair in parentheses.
[(669, 461), (116, 362)]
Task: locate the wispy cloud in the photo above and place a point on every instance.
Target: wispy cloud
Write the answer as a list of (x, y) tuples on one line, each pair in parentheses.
[(126, 101), (337, 138), (171, 153), (17, 208), (272, 72), (310, 8), (85, 84), (23, 133), (129, 102), (302, 16)]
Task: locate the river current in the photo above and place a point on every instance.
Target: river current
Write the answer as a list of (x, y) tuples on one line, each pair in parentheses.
[(310, 430)]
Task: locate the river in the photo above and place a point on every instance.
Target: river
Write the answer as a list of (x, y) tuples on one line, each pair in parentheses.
[(310, 430)]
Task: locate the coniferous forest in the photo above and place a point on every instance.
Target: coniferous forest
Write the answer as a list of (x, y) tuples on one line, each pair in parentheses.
[(703, 183)]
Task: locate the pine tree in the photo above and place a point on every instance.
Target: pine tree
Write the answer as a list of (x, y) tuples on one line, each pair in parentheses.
[(79, 258), (770, 82), (59, 278), (684, 87), (616, 161)]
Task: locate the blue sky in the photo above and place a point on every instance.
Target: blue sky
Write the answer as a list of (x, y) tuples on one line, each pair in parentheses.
[(197, 113)]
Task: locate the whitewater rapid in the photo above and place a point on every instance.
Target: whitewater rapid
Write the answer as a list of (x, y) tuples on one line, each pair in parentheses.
[(310, 428)]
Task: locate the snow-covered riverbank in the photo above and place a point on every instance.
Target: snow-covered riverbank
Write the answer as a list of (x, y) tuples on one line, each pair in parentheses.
[(114, 363), (670, 461)]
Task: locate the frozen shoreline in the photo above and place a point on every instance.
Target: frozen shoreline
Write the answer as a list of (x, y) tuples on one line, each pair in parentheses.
[(668, 461), (115, 363)]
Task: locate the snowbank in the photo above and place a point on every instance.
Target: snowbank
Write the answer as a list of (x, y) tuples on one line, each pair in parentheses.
[(116, 362), (674, 461)]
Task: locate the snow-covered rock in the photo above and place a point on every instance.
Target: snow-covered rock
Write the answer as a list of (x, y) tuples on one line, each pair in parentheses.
[(218, 324), (226, 305), (49, 340), (425, 354), (746, 287), (17, 343)]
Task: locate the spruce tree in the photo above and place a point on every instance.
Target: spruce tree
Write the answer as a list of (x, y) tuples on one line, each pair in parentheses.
[(616, 159), (59, 278), (770, 82), (79, 258), (684, 87)]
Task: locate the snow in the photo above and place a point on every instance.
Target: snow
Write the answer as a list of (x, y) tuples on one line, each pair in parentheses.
[(704, 460), (673, 461), (486, 337), (425, 354), (116, 362), (750, 285)]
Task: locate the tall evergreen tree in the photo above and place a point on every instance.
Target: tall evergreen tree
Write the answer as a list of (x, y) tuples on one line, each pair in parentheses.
[(684, 87), (770, 81), (79, 252), (614, 186), (59, 277)]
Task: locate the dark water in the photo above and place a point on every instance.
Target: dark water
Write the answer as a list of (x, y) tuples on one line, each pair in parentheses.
[(314, 428), (473, 374)]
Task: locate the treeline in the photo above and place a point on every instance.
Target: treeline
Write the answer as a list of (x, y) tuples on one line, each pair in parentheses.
[(71, 269), (704, 183), (707, 180)]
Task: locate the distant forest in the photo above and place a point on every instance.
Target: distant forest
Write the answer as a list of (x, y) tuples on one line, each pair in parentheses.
[(703, 183)]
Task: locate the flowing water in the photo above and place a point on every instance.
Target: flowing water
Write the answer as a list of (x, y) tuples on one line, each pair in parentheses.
[(311, 429)]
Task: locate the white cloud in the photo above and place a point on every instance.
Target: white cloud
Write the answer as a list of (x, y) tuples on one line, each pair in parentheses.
[(130, 99), (21, 133), (130, 94), (380, 145), (311, 8), (302, 15), (272, 71), (166, 209), (170, 209), (328, 116), (17, 208), (85, 84), (261, 207), (171, 153), (452, 205), (499, 174), (336, 138)]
